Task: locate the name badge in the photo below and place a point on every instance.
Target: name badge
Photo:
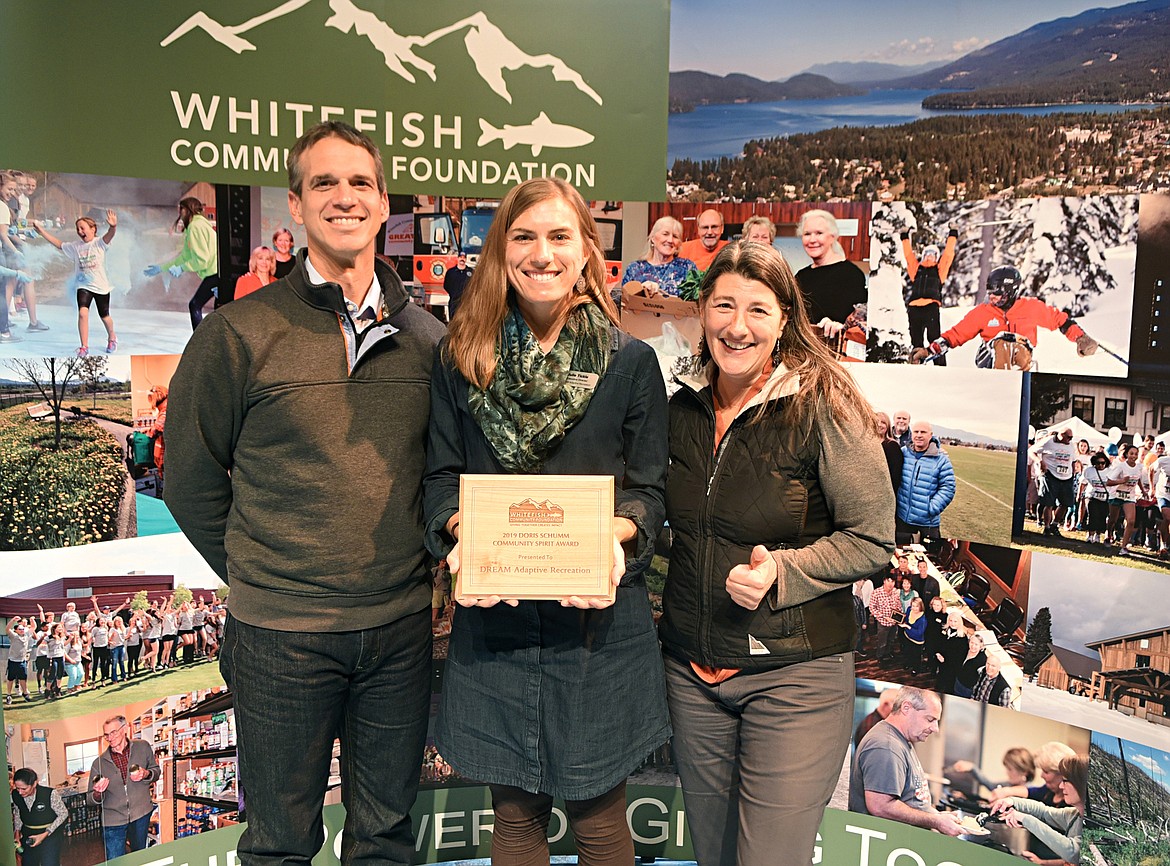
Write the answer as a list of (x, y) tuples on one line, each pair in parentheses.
[(585, 381)]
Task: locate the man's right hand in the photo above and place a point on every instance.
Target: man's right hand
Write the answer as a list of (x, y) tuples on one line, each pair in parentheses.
[(919, 355), (949, 824)]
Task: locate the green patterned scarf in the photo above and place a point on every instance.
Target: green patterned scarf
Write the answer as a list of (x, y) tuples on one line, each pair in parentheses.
[(531, 404)]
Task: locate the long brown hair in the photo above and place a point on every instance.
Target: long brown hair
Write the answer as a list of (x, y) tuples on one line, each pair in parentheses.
[(1076, 770), (801, 351), (472, 336), (191, 206)]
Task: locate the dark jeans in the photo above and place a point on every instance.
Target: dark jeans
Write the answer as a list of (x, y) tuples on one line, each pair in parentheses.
[(117, 836), (199, 300), (101, 662), (48, 853), (904, 533), (294, 693)]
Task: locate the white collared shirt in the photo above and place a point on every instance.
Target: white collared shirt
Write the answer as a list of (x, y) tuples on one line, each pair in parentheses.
[(372, 300)]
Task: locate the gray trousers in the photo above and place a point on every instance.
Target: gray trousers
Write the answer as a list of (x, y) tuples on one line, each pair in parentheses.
[(758, 756)]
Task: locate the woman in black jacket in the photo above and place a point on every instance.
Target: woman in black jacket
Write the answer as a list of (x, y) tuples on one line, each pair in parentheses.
[(951, 654), (778, 498), (891, 447)]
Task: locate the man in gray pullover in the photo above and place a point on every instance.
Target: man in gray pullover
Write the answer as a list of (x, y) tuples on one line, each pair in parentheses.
[(295, 451)]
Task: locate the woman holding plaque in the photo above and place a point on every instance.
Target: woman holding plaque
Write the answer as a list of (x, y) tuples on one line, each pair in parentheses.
[(778, 498), (560, 698)]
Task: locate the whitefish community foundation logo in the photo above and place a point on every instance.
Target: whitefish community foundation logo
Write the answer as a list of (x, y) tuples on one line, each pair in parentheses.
[(459, 98), (531, 513)]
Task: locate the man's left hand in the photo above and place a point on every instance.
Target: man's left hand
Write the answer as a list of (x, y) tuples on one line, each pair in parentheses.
[(1086, 345), (137, 775)]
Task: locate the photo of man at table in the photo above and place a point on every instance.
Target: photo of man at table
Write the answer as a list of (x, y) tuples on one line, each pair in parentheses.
[(950, 765), (947, 617)]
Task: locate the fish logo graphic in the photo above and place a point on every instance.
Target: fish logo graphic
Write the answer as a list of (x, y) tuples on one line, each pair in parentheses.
[(539, 134), (489, 48)]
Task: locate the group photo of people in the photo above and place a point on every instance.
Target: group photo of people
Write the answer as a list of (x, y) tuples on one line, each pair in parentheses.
[(1099, 494), (810, 401), (857, 527), (61, 654), (946, 616)]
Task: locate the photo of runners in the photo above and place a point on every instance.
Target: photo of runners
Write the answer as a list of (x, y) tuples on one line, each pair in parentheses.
[(1098, 471)]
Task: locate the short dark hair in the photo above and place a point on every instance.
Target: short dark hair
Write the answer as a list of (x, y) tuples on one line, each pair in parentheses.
[(331, 129), (25, 776)]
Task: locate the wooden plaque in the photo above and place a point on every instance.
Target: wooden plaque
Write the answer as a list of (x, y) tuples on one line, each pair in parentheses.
[(536, 536)]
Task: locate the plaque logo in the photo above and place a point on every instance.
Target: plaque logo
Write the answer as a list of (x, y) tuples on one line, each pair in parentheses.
[(530, 513)]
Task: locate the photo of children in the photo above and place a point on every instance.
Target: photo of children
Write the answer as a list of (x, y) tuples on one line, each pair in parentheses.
[(111, 245), (983, 283), (116, 646)]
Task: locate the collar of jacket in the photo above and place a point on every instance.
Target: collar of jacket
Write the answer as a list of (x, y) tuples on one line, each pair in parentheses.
[(328, 296), (696, 379), (933, 449)]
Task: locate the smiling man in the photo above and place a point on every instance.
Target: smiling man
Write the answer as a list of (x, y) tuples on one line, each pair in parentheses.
[(295, 442), (703, 249)]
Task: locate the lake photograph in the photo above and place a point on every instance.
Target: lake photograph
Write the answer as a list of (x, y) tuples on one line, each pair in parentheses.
[(1000, 100)]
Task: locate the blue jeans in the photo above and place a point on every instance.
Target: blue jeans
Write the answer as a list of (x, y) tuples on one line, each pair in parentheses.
[(118, 835), (118, 662), (294, 693)]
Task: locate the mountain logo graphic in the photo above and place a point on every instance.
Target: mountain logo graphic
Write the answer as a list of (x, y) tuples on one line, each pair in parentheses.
[(492, 52), (531, 513)]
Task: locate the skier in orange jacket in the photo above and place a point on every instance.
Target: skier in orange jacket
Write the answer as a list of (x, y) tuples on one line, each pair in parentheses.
[(923, 295), (1008, 325)]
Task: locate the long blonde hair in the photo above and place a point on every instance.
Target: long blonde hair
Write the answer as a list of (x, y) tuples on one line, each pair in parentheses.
[(801, 351), (472, 336)]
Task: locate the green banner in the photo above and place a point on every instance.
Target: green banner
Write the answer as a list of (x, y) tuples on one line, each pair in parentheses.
[(455, 824), (463, 98)]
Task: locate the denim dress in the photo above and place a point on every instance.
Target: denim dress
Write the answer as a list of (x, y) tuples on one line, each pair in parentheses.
[(550, 699)]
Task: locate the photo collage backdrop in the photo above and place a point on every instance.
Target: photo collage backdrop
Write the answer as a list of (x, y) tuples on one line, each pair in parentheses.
[(1074, 198)]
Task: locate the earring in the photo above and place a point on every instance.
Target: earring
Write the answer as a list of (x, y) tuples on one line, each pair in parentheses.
[(776, 349), (580, 283), (702, 346)]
